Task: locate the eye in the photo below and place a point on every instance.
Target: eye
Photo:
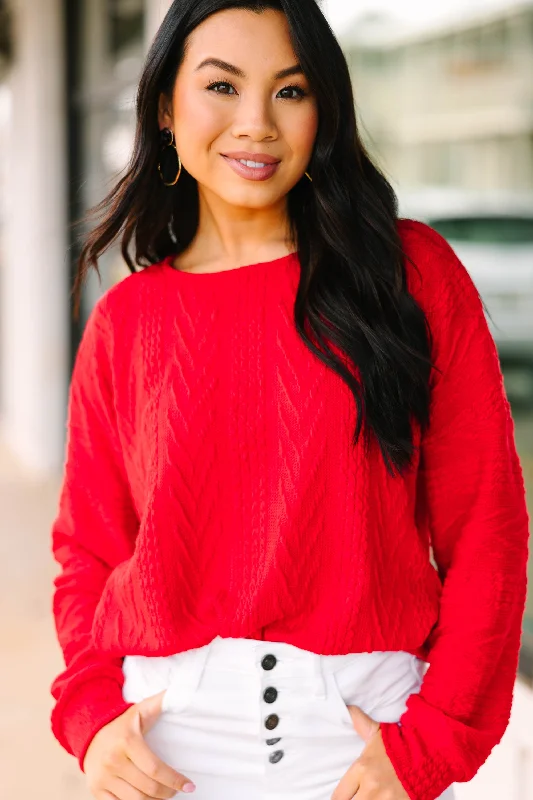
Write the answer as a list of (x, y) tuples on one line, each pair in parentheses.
[(301, 92), (211, 87), (215, 87)]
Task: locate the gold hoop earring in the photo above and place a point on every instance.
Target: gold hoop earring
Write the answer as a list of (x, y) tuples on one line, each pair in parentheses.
[(308, 176), (168, 141)]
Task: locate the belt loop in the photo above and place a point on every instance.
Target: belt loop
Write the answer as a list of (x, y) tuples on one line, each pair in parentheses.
[(319, 676), (196, 666)]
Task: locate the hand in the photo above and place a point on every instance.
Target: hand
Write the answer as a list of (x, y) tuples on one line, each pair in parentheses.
[(371, 776), (120, 766)]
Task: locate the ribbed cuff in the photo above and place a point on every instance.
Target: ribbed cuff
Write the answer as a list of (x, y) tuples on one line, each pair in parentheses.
[(430, 750), (423, 778), (78, 717)]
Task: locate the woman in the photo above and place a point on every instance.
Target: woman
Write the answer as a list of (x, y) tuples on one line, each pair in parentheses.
[(291, 478)]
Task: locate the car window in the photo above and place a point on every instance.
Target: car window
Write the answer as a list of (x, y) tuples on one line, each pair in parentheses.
[(485, 230)]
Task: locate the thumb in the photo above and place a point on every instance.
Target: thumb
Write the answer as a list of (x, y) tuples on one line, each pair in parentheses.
[(147, 712), (364, 725)]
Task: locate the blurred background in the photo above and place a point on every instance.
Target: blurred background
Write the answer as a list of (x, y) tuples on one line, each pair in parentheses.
[(445, 103)]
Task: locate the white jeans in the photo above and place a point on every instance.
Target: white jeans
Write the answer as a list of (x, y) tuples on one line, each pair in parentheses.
[(248, 719)]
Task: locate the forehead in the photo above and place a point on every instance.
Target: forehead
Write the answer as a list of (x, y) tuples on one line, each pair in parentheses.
[(254, 42)]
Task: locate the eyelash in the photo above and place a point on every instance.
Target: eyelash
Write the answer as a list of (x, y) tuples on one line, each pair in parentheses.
[(302, 92)]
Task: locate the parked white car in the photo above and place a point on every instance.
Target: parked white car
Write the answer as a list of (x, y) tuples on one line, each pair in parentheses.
[(492, 234)]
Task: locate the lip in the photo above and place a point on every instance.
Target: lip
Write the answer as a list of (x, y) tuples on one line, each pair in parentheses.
[(251, 173), (263, 158)]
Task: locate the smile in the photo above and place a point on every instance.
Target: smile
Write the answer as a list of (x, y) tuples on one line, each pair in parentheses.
[(252, 170)]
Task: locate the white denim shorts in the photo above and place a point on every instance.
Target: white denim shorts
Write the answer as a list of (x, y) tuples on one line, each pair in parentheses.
[(248, 719)]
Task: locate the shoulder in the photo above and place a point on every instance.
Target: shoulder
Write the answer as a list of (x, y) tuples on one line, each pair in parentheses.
[(129, 296), (124, 316), (431, 253), (121, 311), (420, 236), (436, 276), (121, 329), (443, 288)]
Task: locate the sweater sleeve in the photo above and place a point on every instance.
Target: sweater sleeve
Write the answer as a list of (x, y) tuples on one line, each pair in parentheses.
[(471, 502), (94, 530)]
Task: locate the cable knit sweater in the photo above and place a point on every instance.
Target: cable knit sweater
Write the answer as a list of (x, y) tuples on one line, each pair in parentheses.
[(211, 488)]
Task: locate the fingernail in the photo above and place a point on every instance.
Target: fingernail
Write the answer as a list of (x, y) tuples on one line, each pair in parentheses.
[(188, 787)]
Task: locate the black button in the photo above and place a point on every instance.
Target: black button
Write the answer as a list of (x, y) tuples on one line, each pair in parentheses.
[(269, 661), (270, 694), (275, 756), (271, 721), (273, 741)]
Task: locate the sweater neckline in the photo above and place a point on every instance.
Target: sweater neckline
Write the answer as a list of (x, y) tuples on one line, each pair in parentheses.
[(285, 260)]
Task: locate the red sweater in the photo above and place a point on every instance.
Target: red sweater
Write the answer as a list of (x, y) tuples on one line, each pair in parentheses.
[(211, 488)]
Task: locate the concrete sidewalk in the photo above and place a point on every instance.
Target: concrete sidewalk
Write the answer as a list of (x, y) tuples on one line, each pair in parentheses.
[(32, 764)]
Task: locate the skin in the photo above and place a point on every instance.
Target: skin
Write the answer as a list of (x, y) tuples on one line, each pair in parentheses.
[(372, 775), (241, 222), (119, 763)]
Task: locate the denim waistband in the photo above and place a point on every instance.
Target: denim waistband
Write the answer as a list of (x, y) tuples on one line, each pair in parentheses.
[(293, 665)]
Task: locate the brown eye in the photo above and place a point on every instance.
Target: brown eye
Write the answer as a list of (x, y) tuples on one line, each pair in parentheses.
[(301, 92), (212, 86)]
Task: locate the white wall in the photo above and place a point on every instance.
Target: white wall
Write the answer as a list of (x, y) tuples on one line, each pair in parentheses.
[(34, 289)]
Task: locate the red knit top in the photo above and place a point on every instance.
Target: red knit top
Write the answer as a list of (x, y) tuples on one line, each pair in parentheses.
[(211, 488)]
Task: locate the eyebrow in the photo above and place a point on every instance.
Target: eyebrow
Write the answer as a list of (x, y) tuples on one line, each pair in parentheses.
[(239, 73)]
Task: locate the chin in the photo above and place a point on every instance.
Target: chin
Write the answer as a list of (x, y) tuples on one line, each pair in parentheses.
[(261, 199)]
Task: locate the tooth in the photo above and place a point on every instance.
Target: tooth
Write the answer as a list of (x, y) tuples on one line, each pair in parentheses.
[(256, 164)]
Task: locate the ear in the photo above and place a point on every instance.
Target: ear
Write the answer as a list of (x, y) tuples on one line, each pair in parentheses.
[(164, 112)]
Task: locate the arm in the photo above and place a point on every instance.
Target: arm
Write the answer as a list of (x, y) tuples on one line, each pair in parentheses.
[(471, 500), (94, 530)]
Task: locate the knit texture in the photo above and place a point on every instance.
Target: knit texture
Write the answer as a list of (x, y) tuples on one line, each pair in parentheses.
[(211, 488)]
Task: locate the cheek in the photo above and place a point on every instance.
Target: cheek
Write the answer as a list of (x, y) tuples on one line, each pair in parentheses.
[(301, 134), (198, 126)]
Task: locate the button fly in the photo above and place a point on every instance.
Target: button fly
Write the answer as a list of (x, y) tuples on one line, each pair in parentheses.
[(270, 694), (269, 661)]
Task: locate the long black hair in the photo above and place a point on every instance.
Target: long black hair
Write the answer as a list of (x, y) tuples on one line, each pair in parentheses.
[(353, 289)]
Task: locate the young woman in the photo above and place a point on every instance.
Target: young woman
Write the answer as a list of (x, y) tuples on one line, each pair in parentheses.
[(292, 528)]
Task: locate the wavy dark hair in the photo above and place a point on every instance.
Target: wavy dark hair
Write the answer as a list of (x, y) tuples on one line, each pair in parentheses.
[(352, 291)]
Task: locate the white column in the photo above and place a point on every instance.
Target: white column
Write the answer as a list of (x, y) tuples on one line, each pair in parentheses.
[(34, 290), (155, 12)]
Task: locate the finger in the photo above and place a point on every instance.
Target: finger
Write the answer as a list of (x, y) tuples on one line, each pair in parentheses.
[(125, 791), (349, 784), (107, 796), (149, 710), (148, 762), (365, 726), (136, 778)]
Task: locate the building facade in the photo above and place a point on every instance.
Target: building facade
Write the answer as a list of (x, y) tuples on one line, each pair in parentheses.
[(448, 104)]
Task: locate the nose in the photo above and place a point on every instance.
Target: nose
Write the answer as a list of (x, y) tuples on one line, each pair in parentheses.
[(255, 118)]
